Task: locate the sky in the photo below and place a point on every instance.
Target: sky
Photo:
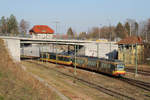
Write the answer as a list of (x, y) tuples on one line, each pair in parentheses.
[(81, 15)]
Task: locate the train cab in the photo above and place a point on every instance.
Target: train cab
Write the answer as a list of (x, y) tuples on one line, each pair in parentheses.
[(119, 69)]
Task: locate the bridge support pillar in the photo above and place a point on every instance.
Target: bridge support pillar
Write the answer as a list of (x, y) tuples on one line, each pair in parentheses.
[(13, 46)]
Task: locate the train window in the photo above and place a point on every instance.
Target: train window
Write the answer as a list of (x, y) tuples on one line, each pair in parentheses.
[(92, 63), (108, 66), (66, 59), (120, 67), (78, 61), (52, 56), (104, 65), (82, 61), (112, 67), (60, 58), (73, 60), (43, 55)]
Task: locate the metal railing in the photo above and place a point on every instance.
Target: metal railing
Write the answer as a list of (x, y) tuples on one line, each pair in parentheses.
[(16, 35)]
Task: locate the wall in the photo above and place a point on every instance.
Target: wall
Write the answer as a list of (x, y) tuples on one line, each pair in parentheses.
[(127, 54), (35, 49), (102, 50), (13, 46), (32, 51)]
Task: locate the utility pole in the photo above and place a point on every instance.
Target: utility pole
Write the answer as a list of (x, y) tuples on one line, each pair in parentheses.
[(75, 67), (146, 40), (146, 36), (110, 39), (130, 29), (56, 22), (124, 53), (136, 65), (97, 50)]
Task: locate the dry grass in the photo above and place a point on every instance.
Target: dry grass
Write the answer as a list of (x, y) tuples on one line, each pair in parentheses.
[(65, 84), (79, 91), (16, 84)]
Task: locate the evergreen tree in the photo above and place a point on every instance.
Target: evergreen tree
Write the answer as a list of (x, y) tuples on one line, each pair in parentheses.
[(70, 33), (120, 31), (148, 25), (136, 28), (127, 28), (12, 25), (3, 25), (23, 26)]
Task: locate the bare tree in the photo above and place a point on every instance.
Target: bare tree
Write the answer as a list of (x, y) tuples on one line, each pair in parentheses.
[(82, 35), (3, 25), (24, 26)]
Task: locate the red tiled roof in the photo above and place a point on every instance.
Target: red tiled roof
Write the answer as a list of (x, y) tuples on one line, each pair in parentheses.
[(131, 40), (37, 29)]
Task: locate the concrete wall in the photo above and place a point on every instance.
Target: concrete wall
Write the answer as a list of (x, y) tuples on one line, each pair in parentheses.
[(35, 49), (30, 51), (13, 46), (101, 49)]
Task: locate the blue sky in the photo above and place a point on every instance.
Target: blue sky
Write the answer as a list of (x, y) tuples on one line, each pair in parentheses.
[(79, 14)]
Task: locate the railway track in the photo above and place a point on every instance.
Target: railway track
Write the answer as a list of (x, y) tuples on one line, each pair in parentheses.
[(137, 83), (90, 84), (146, 73)]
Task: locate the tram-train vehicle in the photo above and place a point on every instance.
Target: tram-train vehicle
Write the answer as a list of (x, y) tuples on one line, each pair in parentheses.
[(60, 59), (112, 67)]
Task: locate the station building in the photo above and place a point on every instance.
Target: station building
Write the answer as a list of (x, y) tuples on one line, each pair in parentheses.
[(41, 32), (130, 48)]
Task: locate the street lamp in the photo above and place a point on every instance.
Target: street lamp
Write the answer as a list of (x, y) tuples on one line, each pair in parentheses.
[(56, 22)]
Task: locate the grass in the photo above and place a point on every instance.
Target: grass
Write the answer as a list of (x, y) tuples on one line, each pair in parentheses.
[(17, 84), (1, 98), (65, 84), (0, 74)]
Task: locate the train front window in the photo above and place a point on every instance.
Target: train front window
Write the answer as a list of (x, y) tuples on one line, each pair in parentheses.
[(120, 67)]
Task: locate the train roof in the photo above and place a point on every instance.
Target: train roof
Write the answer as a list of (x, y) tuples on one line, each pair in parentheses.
[(89, 57), (96, 58)]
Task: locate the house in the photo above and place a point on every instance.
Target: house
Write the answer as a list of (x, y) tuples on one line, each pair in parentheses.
[(41, 32), (130, 49)]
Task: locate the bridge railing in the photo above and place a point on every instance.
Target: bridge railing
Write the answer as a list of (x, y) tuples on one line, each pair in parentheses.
[(16, 35)]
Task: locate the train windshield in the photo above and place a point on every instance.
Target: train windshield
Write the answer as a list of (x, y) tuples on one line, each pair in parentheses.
[(120, 67)]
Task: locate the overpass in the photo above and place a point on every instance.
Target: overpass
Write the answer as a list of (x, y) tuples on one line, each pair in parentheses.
[(92, 48)]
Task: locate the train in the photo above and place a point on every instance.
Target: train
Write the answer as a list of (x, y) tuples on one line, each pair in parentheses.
[(107, 66)]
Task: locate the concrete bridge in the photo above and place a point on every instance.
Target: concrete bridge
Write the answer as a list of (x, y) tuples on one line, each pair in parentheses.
[(91, 48)]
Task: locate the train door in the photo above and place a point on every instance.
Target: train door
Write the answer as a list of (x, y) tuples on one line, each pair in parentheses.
[(81, 62), (104, 67), (113, 67)]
